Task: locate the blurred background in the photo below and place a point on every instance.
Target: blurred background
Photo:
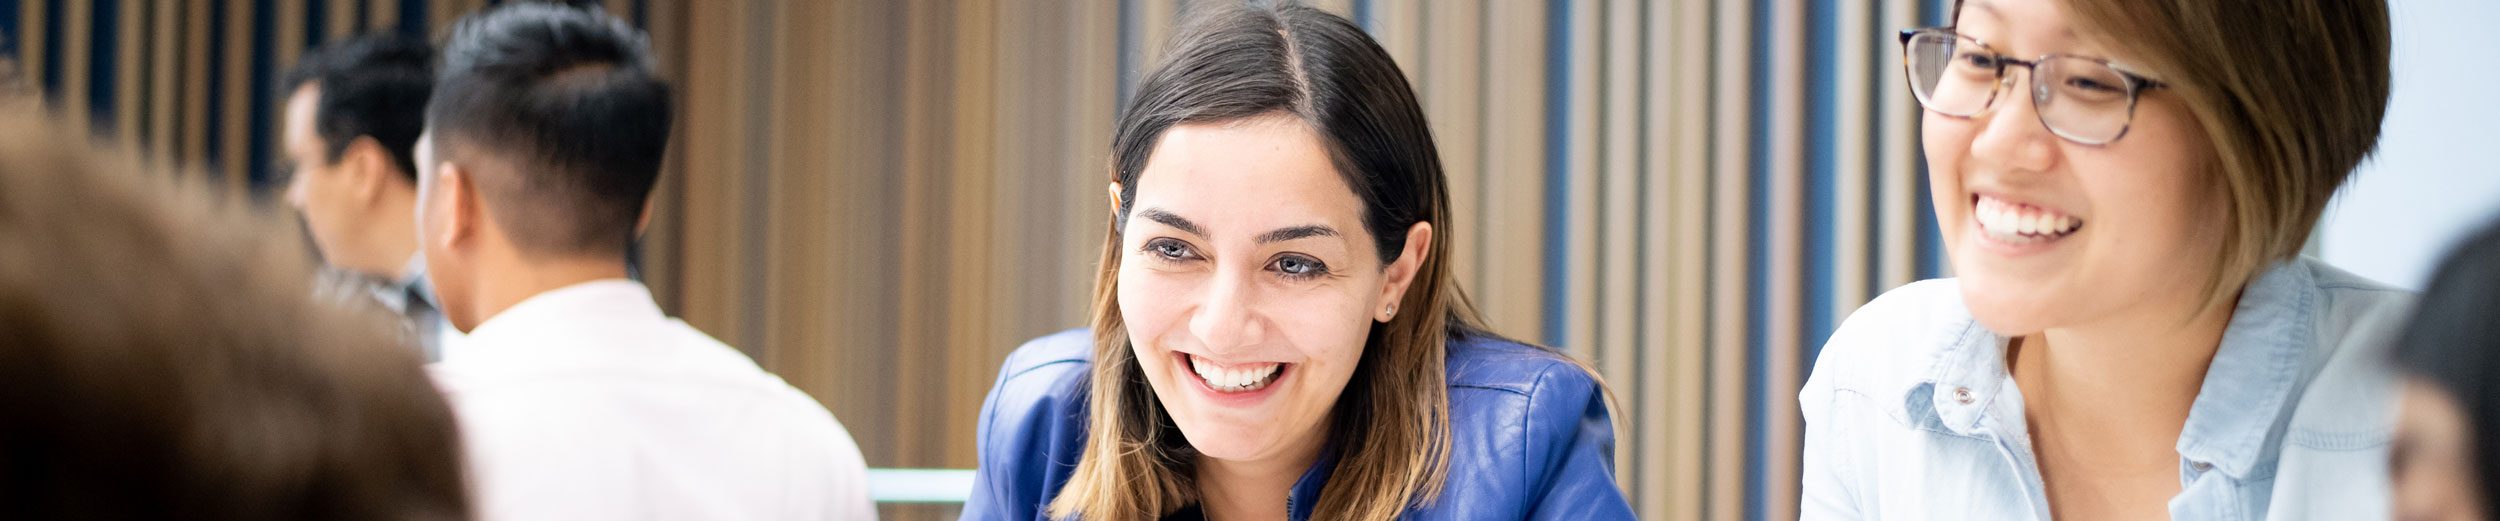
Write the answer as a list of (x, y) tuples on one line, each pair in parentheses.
[(878, 200)]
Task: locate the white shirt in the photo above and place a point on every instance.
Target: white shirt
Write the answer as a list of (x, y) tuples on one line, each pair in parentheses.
[(587, 402)]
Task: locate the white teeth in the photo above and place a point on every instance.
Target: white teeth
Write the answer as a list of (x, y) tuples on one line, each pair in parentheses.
[(2018, 224), (1235, 379)]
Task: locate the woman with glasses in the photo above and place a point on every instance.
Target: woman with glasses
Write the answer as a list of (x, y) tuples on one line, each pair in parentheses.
[(2124, 187)]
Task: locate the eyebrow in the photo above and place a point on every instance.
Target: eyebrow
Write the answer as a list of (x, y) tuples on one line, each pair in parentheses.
[(1297, 232), (1172, 220)]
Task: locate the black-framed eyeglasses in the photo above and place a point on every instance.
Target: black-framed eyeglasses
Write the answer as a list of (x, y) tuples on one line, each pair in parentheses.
[(2082, 99)]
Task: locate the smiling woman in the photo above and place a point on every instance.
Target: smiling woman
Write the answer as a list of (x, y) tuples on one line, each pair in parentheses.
[(1276, 331), (2131, 333)]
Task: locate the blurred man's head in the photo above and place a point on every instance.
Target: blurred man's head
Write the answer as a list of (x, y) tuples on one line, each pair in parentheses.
[(161, 358), (353, 113), (543, 141)]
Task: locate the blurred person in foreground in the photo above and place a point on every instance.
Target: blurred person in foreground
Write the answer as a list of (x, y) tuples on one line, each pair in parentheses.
[(161, 357), (353, 113), (2448, 431), (578, 397), (2123, 187)]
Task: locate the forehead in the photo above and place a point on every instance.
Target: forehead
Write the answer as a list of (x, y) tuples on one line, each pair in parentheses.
[(2024, 27), (1247, 176)]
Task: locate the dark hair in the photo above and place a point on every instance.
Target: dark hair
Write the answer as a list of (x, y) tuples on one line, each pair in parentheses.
[(370, 86), (162, 357), (1390, 427), (2453, 343), (566, 99)]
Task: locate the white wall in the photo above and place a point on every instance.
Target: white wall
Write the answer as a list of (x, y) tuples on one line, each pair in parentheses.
[(2437, 172)]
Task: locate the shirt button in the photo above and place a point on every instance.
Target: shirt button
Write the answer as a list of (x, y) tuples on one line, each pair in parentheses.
[(2200, 466), (1962, 394)]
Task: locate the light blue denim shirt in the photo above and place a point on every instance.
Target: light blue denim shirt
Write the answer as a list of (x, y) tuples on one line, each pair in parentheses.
[(1910, 413)]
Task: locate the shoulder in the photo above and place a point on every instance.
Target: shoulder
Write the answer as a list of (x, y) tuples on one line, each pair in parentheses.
[(1530, 436), (1032, 428), (1889, 343), (2350, 391)]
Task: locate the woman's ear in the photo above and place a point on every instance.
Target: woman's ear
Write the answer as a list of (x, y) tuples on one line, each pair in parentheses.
[(1400, 273), (1115, 205)]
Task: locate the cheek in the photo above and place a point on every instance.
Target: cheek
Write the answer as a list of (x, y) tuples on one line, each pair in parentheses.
[(1151, 303), (1946, 141)]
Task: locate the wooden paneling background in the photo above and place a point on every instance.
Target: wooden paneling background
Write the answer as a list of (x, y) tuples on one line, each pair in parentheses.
[(880, 199)]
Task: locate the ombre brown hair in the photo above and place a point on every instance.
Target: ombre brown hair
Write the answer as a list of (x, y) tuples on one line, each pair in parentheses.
[(1389, 430), (2291, 95)]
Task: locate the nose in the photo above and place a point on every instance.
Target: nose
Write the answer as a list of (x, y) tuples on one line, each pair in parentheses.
[(1226, 318), (2011, 136)]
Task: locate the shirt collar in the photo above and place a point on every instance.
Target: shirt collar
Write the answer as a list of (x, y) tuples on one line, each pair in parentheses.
[(597, 300), (2253, 374)]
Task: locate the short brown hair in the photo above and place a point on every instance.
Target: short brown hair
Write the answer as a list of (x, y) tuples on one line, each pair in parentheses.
[(2291, 94), (162, 357)]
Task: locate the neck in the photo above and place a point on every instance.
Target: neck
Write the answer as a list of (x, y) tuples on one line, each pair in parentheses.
[(391, 235), (507, 279), (2121, 386), (1236, 490)]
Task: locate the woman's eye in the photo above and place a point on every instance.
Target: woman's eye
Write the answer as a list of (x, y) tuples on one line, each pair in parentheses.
[(1300, 267), (1978, 60), (1170, 250)]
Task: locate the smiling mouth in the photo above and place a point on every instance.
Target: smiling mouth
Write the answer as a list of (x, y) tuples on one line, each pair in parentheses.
[(1235, 379), (2016, 223)]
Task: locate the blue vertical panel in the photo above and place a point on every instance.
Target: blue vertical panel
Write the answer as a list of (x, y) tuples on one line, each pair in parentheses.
[(9, 11), (1931, 257), (1822, 176), (51, 47), (1557, 164), (215, 137), (1363, 16), (412, 19), (264, 49), (316, 22), (103, 61), (1758, 261)]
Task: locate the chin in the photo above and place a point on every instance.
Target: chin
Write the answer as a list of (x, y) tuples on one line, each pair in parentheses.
[(2010, 310), (1228, 441)]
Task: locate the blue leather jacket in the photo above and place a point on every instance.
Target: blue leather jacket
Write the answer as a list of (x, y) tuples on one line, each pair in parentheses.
[(1530, 438)]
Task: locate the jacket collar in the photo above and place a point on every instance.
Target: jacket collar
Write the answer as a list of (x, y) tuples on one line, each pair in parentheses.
[(2254, 373)]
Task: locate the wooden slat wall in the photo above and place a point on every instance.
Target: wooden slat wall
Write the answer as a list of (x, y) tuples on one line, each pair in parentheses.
[(880, 200)]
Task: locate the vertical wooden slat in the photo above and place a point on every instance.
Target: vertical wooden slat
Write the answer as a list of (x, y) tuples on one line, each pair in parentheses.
[(1513, 296), (1732, 127), (1852, 160), (164, 99), (968, 287), (30, 35), (715, 101), (1898, 144), (1156, 21), (1786, 279), (1400, 31), (235, 139), (1693, 281), (382, 16), (1455, 108), (343, 21), (291, 37), (923, 102), (130, 78), (195, 67), (1617, 201), (77, 62)]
